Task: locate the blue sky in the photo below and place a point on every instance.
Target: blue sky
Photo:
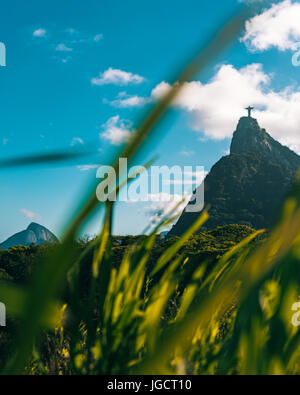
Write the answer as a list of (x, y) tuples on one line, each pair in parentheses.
[(82, 73)]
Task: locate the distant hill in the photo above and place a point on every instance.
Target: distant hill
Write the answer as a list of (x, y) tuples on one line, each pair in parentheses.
[(248, 186), (34, 234)]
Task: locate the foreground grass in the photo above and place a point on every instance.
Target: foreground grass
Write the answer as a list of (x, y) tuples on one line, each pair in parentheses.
[(232, 317)]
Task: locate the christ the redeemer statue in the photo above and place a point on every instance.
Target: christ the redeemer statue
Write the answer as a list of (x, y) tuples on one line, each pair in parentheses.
[(249, 110)]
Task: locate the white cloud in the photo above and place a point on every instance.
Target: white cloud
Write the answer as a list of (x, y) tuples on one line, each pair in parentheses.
[(39, 33), (67, 59), (181, 182), (63, 48), (193, 178), (216, 106), (250, 1), (87, 167), (116, 130), (71, 31), (126, 101), (187, 153), (77, 141), (98, 37), (30, 214), (160, 90), (278, 26), (162, 205), (196, 175), (117, 77)]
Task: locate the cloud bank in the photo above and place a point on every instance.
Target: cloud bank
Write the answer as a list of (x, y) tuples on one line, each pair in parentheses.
[(39, 32), (116, 130), (215, 107), (30, 214), (117, 77), (278, 26)]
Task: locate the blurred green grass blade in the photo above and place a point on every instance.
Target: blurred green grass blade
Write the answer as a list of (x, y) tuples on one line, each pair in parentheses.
[(39, 159), (224, 262), (210, 50), (51, 276), (15, 298), (219, 41), (171, 251), (168, 219), (107, 227), (249, 274), (154, 312), (104, 239)]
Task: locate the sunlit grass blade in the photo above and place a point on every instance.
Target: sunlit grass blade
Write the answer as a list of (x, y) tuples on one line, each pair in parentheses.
[(224, 262), (249, 274), (170, 252)]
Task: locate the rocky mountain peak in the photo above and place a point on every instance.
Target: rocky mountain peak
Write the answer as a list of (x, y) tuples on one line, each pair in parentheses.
[(34, 226), (247, 186), (33, 234), (250, 137)]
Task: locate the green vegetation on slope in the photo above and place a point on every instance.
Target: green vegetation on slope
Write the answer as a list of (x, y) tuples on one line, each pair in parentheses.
[(19, 264)]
